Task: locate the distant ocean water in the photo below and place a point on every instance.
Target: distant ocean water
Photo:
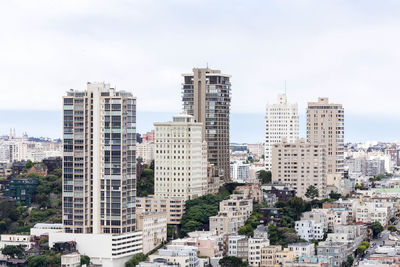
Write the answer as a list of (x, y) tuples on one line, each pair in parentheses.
[(245, 127)]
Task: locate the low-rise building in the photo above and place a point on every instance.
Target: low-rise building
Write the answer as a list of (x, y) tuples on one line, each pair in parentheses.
[(307, 261), (232, 214), (105, 249), (71, 260), (40, 229), (16, 240), (336, 250), (309, 230), (272, 256), (254, 250), (302, 249), (316, 215), (183, 256), (174, 207), (238, 246), (154, 229), (251, 191), (208, 243), (370, 212), (22, 189)]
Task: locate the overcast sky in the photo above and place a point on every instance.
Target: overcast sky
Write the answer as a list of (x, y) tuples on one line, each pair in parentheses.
[(346, 50)]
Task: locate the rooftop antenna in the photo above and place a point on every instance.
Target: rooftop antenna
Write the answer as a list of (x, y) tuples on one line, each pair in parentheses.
[(207, 65)]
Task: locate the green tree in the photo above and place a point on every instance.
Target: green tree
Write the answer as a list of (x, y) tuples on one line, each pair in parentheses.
[(135, 260), (85, 260), (246, 230), (377, 228), (358, 186), (264, 176), (189, 226), (334, 195), (28, 164), (13, 251), (365, 243), (392, 228), (361, 249), (350, 260), (230, 261), (42, 241), (37, 261), (312, 192)]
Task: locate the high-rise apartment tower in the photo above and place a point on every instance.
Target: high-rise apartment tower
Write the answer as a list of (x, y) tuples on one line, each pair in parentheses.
[(325, 126), (99, 181), (180, 168), (281, 122), (206, 95)]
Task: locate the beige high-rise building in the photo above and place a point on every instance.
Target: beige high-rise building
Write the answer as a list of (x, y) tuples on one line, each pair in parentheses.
[(300, 165), (180, 170), (325, 126), (99, 174), (206, 94)]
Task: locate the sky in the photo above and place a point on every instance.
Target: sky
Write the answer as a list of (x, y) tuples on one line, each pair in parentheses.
[(346, 50)]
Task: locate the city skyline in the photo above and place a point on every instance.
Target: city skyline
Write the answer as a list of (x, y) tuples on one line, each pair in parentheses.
[(344, 51)]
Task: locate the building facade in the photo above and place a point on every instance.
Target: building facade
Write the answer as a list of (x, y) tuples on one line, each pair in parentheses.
[(174, 207), (325, 126), (300, 165), (99, 185), (154, 229), (180, 169), (281, 121), (207, 96)]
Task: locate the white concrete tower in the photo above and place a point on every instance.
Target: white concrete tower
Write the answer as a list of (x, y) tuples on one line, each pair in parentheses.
[(281, 121)]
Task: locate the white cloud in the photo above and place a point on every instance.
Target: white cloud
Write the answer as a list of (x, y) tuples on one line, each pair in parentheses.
[(347, 50)]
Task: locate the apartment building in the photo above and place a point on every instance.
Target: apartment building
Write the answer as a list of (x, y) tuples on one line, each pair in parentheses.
[(251, 191), (300, 165), (275, 256), (238, 246), (206, 95), (208, 243), (239, 171), (174, 207), (145, 151), (180, 168), (302, 249), (309, 230), (370, 212), (281, 122), (318, 216), (232, 215), (336, 250), (99, 160), (183, 256), (325, 126), (99, 174), (154, 229), (351, 235), (254, 250), (256, 149), (335, 216)]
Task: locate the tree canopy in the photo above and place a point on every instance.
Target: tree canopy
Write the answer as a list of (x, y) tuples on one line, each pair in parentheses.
[(264, 176), (230, 261), (13, 251), (312, 192), (135, 260), (377, 228)]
